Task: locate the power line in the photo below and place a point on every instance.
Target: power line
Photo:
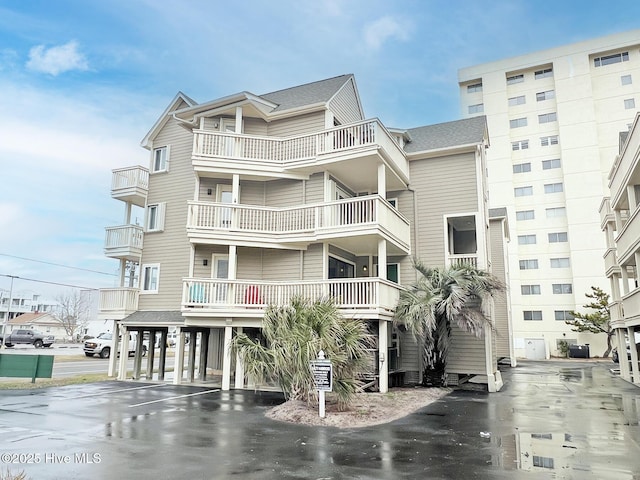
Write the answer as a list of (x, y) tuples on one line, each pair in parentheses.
[(44, 281), (58, 264)]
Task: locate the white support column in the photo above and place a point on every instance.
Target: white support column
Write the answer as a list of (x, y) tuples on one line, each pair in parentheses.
[(226, 359), (382, 258), (631, 197), (113, 356), (239, 377), (622, 355), (622, 360), (382, 180), (625, 279), (179, 359), (124, 353), (238, 120), (383, 349), (127, 213)]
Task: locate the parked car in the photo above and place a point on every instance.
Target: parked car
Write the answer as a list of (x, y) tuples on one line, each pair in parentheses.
[(103, 345), (29, 337)]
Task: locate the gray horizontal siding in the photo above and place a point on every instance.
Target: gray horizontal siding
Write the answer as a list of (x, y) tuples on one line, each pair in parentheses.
[(467, 354), (501, 312), (284, 193), (299, 125), (312, 262), (345, 106)]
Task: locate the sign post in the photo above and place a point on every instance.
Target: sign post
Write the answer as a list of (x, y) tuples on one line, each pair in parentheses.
[(322, 371)]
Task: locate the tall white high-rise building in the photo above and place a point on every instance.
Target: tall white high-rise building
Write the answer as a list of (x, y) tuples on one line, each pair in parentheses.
[(554, 119)]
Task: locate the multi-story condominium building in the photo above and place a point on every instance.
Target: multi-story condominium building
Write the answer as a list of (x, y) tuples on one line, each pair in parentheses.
[(23, 302), (554, 118), (620, 220), (253, 199)]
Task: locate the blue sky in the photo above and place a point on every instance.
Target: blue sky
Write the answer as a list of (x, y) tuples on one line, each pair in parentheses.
[(81, 83)]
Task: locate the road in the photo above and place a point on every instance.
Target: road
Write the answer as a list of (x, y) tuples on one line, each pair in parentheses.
[(75, 362)]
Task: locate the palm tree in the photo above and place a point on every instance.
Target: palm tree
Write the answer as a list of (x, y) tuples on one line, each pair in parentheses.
[(293, 335), (440, 298)]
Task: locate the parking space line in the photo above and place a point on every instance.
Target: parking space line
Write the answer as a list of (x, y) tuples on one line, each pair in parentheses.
[(174, 398), (115, 391)]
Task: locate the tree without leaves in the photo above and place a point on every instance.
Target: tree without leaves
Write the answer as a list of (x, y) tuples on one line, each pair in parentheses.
[(71, 313), (440, 298), (293, 336), (598, 320)]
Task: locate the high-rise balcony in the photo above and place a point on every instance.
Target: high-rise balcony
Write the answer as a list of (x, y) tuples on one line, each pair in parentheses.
[(124, 241), (470, 259), (627, 239), (358, 219), (117, 303), (611, 262), (631, 305), (130, 184), (365, 297), (353, 151)]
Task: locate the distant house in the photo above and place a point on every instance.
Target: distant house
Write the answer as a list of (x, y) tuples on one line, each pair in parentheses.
[(43, 322)]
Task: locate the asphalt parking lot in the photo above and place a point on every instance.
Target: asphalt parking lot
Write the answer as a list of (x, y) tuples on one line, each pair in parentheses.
[(560, 420)]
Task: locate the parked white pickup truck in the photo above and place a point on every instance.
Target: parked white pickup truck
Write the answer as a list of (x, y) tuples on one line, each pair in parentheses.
[(103, 344)]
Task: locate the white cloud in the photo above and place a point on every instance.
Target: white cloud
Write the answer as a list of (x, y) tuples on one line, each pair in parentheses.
[(383, 29), (55, 60)]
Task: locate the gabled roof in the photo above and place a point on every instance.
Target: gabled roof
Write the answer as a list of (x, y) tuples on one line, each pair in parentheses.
[(32, 318), (312, 93), (173, 106), (470, 131)]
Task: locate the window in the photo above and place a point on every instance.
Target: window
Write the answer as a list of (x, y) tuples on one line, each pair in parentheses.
[(553, 188), (550, 164), (560, 263), (558, 237), (155, 217), (546, 95), (523, 191), (532, 315), (629, 103), (556, 212), (530, 289), (479, 108), (561, 288), (626, 80), (544, 462), (547, 117), (544, 436), (150, 275), (160, 157), (562, 315), (550, 140), (522, 168), (476, 87), (529, 264), (519, 100), (525, 215), (547, 72), (526, 239), (611, 59), (515, 79), (518, 122), (520, 145)]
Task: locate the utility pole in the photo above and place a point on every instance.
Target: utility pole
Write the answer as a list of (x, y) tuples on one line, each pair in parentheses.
[(6, 317)]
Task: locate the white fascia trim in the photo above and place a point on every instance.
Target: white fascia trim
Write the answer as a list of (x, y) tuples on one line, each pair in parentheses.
[(469, 147), (162, 120)]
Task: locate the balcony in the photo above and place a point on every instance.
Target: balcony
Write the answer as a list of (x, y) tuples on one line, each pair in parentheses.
[(625, 170), (345, 222), (464, 259), (130, 184), (366, 298), (611, 262), (628, 239), (117, 303), (631, 306), (123, 242), (606, 213), (617, 315), (353, 151)]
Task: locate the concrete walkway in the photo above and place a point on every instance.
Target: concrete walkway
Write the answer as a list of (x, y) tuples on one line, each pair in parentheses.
[(552, 420)]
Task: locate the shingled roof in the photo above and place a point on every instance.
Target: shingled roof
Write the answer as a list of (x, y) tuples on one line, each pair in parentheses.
[(307, 94), (449, 134)]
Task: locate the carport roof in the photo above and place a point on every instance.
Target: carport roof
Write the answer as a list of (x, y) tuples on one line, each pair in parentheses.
[(154, 317)]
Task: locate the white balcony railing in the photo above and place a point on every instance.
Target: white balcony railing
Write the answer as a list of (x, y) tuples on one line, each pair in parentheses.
[(130, 184), (123, 236), (626, 240), (464, 259), (292, 151), (312, 220), (631, 305), (116, 303), (369, 293)]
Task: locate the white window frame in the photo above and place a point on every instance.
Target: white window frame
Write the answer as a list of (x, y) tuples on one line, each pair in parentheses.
[(626, 79), (520, 145), (554, 212), (553, 187), (565, 314), (474, 87), (518, 122), (629, 103), (551, 164), (526, 239), (560, 262), (525, 191), (522, 167), (530, 289), (532, 312), (529, 264), (557, 236), (544, 73), (513, 79), (562, 288), (611, 59), (477, 108), (546, 95), (149, 267), (164, 159), (525, 215), (548, 117), (549, 140), (158, 216), (519, 100)]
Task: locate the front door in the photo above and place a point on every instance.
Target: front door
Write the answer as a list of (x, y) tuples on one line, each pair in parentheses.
[(220, 270), (224, 195)]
